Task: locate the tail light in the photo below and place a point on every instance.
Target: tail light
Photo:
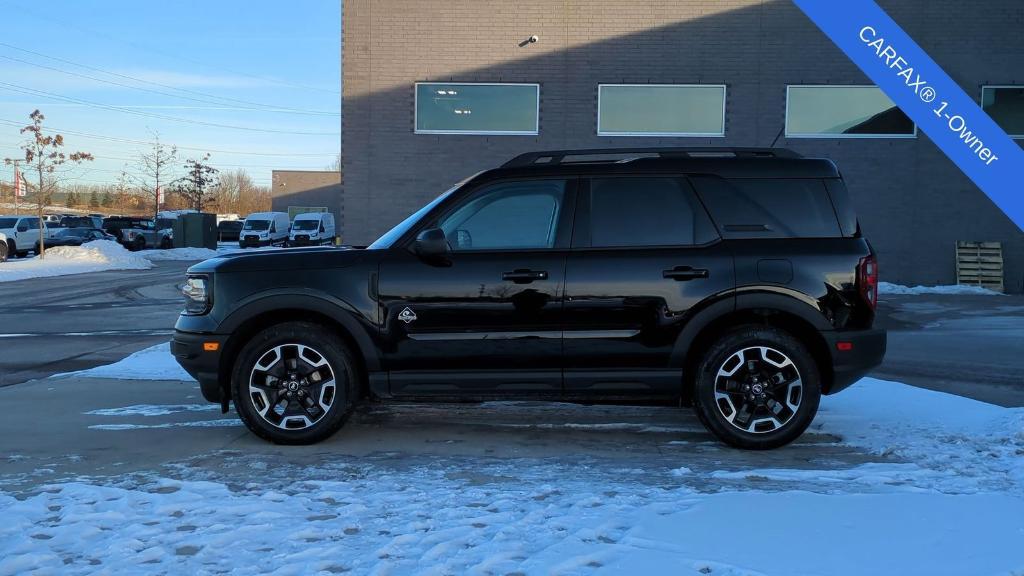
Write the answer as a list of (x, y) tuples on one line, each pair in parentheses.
[(867, 280)]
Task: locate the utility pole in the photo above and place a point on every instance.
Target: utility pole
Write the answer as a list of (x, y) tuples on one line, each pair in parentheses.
[(17, 187)]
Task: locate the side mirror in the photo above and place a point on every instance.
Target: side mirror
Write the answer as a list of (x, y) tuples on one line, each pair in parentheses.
[(431, 243)]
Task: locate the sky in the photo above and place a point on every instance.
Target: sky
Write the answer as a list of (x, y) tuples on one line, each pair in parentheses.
[(255, 83)]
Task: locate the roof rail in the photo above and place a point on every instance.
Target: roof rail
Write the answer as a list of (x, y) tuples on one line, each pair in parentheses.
[(549, 157)]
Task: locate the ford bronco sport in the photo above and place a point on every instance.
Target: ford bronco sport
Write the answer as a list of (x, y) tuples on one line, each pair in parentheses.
[(733, 280)]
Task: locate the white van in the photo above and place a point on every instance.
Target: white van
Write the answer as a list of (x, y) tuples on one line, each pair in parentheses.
[(264, 229), (312, 229)]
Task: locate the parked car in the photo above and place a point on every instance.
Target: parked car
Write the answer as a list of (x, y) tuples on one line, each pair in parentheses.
[(3, 248), (312, 229), (78, 236), (229, 230), (22, 233), (81, 222), (264, 229), (734, 280), (138, 233)]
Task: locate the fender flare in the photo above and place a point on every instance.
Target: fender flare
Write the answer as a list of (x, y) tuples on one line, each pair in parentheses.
[(339, 311), (788, 301)]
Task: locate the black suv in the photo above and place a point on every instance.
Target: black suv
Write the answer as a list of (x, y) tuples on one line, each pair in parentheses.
[(733, 280)]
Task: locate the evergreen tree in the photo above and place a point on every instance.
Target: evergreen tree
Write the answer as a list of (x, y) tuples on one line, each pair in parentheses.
[(71, 200), (107, 200), (94, 200)]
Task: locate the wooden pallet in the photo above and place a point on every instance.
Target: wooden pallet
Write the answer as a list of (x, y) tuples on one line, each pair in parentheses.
[(980, 264)]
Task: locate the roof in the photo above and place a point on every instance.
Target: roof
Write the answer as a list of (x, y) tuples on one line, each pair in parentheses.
[(725, 162)]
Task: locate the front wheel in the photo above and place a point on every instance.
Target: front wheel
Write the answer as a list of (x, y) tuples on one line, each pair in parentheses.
[(757, 388), (3, 252), (294, 383)]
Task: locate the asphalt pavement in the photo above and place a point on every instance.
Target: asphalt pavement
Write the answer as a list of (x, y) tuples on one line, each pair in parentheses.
[(69, 323)]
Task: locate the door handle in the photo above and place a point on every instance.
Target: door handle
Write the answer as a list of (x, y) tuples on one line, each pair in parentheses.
[(684, 273), (523, 276)]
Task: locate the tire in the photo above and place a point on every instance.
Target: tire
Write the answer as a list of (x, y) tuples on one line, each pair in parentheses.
[(784, 377), (165, 243), (139, 244), (261, 376), (3, 252)]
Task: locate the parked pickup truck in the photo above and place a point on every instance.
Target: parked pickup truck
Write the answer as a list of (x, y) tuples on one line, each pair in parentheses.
[(138, 233)]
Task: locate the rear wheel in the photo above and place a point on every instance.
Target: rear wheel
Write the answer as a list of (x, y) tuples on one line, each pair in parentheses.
[(294, 383), (757, 388), (165, 243)]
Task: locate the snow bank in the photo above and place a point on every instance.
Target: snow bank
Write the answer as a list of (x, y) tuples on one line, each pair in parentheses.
[(885, 288), (179, 254), (63, 260), (153, 363)]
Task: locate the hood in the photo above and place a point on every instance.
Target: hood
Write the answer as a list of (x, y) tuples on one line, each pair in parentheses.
[(317, 257)]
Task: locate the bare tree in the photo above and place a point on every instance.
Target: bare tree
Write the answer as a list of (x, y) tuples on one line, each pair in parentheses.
[(45, 156), (122, 190), (336, 165), (199, 182), (156, 168)]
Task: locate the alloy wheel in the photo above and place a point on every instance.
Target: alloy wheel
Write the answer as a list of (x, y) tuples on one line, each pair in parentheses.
[(292, 386), (758, 389)]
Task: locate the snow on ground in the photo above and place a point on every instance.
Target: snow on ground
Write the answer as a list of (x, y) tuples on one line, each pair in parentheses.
[(179, 254), (886, 288), (944, 495), (153, 363), (62, 260)]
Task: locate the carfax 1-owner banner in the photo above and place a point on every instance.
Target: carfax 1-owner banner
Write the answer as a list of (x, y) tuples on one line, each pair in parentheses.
[(956, 123)]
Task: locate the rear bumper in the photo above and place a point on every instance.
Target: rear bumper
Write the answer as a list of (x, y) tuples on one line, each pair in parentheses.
[(201, 364), (866, 350)]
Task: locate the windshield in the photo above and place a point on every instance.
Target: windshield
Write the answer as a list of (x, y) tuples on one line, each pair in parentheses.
[(305, 225), (7, 222), (256, 225), (391, 236)]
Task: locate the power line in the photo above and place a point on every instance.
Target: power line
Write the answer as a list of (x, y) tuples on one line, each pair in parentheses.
[(45, 94), (18, 124), (173, 55), (260, 107)]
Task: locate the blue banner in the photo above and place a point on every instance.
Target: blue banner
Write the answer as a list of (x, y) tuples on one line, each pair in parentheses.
[(951, 118)]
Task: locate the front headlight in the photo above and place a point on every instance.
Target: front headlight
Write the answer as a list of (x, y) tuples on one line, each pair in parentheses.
[(197, 296)]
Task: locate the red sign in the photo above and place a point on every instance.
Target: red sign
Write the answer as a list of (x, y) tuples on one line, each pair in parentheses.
[(19, 183)]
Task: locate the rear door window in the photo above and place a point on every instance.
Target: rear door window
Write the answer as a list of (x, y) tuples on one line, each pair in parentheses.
[(769, 208), (644, 211)]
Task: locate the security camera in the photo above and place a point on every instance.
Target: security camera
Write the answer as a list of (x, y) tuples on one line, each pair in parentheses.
[(534, 38)]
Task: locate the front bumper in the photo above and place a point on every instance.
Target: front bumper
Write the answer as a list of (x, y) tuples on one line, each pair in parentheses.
[(304, 241), (866, 350), (253, 242), (202, 364)]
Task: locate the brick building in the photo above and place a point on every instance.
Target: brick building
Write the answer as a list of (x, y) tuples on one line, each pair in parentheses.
[(434, 91), (296, 191)]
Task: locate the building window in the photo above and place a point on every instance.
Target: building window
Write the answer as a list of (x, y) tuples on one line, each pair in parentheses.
[(660, 110), (479, 108), (1005, 105), (844, 112)]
